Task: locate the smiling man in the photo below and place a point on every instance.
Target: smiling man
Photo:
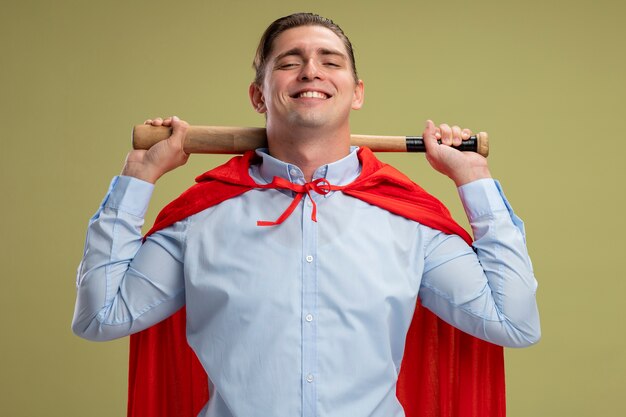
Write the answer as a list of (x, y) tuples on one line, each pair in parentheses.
[(307, 92), (309, 314)]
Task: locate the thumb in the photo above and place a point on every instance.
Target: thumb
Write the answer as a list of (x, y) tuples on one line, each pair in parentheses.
[(179, 132), (430, 140)]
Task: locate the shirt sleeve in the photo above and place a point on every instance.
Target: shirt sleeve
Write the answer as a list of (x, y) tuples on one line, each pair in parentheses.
[(487, 290), (124, 286)]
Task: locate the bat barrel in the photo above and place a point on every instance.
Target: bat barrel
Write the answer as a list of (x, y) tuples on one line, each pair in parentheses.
[(204, 139)]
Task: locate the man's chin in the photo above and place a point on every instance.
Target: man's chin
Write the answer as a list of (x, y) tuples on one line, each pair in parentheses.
[(308, 121)]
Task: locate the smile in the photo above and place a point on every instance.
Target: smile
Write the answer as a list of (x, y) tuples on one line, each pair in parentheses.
[(312, 94)]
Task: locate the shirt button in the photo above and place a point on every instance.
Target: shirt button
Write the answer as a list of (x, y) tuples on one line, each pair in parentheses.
[(309, 317), (293, 171), (309, 378), (309, 258)]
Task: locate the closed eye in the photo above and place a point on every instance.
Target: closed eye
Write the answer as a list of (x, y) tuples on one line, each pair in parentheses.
[(287, 65)]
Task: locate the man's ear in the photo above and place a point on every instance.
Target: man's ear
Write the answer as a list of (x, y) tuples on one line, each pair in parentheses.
[(359, 95), (256, 98)]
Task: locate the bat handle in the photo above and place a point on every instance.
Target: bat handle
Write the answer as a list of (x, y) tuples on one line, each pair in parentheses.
[(478, 143)]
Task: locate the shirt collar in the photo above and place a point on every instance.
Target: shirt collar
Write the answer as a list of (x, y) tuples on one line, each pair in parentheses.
[(340, 172)]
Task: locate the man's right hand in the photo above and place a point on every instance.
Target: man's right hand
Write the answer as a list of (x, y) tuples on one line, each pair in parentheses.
[(149, 165)]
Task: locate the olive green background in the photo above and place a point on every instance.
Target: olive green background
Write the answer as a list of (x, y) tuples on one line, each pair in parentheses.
[(546, 79)]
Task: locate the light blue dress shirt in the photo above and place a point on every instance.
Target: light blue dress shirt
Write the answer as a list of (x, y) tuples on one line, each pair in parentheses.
[(304, 318)]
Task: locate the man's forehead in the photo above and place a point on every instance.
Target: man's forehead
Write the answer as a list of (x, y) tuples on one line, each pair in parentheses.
[(303, 39)]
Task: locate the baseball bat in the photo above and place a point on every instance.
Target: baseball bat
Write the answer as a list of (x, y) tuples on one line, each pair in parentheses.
[(235, 140)]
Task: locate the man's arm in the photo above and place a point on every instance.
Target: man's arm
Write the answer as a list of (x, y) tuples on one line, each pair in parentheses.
[(122, 285), (487, 290)]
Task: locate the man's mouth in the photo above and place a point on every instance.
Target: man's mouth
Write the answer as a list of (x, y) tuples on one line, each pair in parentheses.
[(311, 94)]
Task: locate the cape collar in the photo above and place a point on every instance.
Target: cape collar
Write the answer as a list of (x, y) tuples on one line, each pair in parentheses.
[(237, 171)]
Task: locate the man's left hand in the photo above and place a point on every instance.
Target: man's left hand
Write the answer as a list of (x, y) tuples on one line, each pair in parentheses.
[(461, 167)]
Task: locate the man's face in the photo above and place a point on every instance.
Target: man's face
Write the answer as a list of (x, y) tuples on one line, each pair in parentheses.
[(308, 81)]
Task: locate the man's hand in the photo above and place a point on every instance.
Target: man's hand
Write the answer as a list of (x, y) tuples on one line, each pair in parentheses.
[(149, 165), (461, 167)]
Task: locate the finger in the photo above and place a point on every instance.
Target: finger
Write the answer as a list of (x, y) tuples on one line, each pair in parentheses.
[(157, 122), (430, 136), (446, 134), (148, 122), (167, 121), (179, 130), (466, 133), (437, 133), (456, 135)]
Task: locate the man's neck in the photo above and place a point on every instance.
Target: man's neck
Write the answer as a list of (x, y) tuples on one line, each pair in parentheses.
[(308, 148)]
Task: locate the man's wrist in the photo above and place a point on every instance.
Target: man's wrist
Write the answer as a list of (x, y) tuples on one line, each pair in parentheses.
[(141, 172), (471, 175)]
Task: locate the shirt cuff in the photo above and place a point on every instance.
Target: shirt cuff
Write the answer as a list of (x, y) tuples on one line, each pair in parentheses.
[(481, 198), (130, 195), (485, 197)]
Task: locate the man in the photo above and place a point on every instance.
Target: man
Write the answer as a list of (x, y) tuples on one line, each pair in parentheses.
[(299, 297)]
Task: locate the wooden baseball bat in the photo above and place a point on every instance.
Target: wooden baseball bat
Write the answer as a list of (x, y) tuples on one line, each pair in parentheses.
[(235, 140)]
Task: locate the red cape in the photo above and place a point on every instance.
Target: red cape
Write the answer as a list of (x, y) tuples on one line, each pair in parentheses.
[(444, 372)]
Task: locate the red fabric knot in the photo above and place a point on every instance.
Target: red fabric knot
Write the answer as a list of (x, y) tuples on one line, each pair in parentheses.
[(320, 186)]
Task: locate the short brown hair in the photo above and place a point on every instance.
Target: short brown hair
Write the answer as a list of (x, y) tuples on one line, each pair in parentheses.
[(264, 50)]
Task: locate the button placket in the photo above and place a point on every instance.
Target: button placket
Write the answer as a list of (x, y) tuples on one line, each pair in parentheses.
[(309, 306)]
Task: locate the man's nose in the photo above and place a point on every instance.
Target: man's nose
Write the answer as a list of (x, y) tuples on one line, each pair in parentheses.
[(310, 71)]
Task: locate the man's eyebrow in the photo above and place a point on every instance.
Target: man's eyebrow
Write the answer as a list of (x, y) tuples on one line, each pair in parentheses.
[(300, 52), (324, 51), (291, 52)]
